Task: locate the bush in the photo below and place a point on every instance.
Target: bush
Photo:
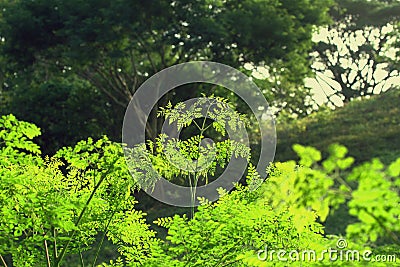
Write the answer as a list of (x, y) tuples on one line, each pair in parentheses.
[(71, 203)]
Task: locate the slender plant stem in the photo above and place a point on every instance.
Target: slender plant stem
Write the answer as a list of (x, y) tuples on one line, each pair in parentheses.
[(195, 179), (193, 186), (195, 123), (47, 253), (64, 250), (81, 258), (55, 244), (102, 238), (341, 180), (390, 232), (194, 193), (3, 261), (222, 259), (191, 198)]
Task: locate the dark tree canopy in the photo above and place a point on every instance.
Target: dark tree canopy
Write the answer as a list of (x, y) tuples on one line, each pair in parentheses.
[(116, 45), (366, 13)]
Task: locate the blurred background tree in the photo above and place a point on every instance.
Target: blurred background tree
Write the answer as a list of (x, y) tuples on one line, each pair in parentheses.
[(67, 109), (356, 55), (111, 47)]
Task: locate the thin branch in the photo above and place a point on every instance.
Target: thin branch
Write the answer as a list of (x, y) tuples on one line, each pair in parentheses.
[(55, 244), (223, 258), (98, 85), (141, 42), (81, 258), (135, 72), (3, 261), (47, 253), (162, 55), (102, 238), (390, 232), (107, 79), (64, 250), (198, 127)]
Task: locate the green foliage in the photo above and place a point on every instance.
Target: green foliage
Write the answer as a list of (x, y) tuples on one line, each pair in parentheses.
[(375, 202), (286, 213), (310, 190), (374, 199), (69, 29), (68, 110), (56, 206), (131, 234), (191, 161), (230, 231), (71, 203), (16, 137)]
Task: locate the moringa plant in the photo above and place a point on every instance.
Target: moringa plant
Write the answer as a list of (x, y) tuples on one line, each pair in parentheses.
[(196, 160), (55, 208)]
